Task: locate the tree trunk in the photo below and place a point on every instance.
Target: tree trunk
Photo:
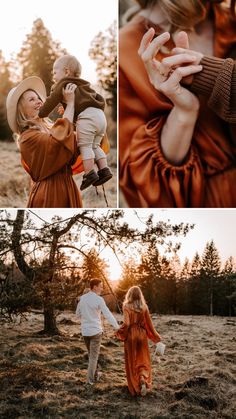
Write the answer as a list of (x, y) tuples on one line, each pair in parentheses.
[(50, 325)]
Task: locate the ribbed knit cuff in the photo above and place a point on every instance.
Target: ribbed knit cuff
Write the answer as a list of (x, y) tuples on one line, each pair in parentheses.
[(223, 97), (203, 82)]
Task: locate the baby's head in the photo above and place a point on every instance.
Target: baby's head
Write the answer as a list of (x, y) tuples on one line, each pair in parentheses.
[(66, 66)]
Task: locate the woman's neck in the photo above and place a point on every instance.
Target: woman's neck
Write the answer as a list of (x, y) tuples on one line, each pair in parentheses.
[(202, 37)]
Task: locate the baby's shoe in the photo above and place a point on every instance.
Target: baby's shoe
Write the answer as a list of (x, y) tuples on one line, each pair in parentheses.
[(89, 179), (104, 175)]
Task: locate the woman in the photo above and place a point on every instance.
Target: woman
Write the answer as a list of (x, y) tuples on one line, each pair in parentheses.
[(135, 331), (174, 150), (47, 150)]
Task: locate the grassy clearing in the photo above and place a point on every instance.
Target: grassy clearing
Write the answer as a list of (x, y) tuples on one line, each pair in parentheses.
[(15, 182), (45, 376)]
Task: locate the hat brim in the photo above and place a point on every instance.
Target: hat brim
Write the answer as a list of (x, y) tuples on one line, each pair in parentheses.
[(31, 83)]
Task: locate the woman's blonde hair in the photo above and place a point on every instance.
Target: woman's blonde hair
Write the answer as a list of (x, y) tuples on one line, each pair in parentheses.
[(182, 14), (24, 123), (134, 299)]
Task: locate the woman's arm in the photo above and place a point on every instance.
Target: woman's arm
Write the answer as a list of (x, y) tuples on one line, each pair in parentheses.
[(177, 132), (150, 329), (69, 98)]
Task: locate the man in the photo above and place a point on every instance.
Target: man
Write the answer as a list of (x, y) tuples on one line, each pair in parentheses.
[(89, 309)]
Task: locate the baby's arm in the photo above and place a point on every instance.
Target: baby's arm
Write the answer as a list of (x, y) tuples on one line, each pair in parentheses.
[(51, 102)]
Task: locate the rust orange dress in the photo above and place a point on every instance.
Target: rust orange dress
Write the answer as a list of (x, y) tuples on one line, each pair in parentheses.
[(48, 157), (135, 331), (207, 177)]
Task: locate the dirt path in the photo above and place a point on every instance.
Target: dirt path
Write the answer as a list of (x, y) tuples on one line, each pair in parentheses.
[(45, 376)]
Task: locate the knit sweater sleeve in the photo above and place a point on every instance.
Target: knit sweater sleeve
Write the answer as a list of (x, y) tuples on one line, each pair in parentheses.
[(217, 80), (52, 101)]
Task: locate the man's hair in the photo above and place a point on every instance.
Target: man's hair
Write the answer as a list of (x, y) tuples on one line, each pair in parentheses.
[(94, 283)]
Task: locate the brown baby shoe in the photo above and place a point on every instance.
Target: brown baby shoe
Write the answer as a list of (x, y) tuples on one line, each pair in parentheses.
[(89, 179), (104, 175)]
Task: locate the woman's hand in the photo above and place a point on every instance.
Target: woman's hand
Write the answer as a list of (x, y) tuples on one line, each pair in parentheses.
[(182, 47), (69, 98), (167, 74), (69, 93)]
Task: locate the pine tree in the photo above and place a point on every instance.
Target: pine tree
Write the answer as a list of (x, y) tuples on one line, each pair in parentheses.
[(5, 86), (183, 296), (128, 278), (196, 287), (104, 52), (210, 271), (229, 281), (38, 53)]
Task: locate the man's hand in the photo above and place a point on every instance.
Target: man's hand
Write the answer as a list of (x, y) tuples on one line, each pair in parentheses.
[(182, 47)]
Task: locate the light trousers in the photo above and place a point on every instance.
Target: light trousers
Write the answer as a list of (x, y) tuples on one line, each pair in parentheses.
[(93, 344), (91, 126)]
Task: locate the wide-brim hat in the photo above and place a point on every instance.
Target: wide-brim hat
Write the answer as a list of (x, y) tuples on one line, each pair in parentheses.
[(31, 83)]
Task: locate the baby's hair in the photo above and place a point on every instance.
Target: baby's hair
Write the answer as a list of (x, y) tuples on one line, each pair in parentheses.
[(71, 62)]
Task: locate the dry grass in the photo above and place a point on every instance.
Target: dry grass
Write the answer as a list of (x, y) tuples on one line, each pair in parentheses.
[(45, 376), (14, 182)]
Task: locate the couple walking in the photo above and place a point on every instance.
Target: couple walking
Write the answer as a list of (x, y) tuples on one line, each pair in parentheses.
[(135, 331)]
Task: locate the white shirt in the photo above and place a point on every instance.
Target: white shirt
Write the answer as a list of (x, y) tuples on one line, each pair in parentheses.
[(89, 310)]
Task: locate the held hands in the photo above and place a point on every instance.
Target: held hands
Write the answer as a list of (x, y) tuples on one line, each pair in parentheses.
[(182, 47), (167, 74), (69, 93)]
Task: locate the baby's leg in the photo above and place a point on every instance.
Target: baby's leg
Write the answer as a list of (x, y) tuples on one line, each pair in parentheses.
[(85, 131), (101, 124), (104, 172)]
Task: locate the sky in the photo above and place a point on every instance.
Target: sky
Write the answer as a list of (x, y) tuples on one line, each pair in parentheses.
[(210, 224), (74, 23)]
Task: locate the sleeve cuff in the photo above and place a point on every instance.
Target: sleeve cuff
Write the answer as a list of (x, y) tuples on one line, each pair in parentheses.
[(203, 82)]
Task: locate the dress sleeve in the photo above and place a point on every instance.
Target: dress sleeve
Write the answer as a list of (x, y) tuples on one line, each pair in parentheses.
[(151, 332), (217, 81), (47, 153), (122, 333), (146, 177)]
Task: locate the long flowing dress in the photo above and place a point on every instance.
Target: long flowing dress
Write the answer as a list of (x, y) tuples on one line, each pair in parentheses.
[(207, 176), (135, 331), (48, 157)]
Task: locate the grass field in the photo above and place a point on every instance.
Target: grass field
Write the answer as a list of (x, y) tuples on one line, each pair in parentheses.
[(44, 376), (15, 182)]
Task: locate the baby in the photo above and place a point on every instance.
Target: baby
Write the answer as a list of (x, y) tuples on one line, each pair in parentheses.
[(89, 118)]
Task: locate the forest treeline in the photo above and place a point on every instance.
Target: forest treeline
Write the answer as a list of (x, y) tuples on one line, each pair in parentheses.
[(48, 266), (36, 58), (203, 286)]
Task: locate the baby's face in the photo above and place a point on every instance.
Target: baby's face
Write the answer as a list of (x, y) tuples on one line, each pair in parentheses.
[(58, 72)]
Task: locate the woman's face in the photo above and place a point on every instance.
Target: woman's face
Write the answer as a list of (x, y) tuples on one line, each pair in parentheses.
[(156, 15), (31, 104)]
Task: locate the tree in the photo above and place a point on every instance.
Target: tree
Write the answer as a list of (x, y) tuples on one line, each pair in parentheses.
[(183, 296), (210, 271), (93, 267), (128, 278), (36, 250), (38, 53), (104, 52), (228, 291), (5, 86)]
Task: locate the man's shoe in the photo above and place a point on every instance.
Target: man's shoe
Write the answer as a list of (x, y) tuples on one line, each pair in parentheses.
[(89, 179), (104, 175), (98, 376), (89, 383)]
